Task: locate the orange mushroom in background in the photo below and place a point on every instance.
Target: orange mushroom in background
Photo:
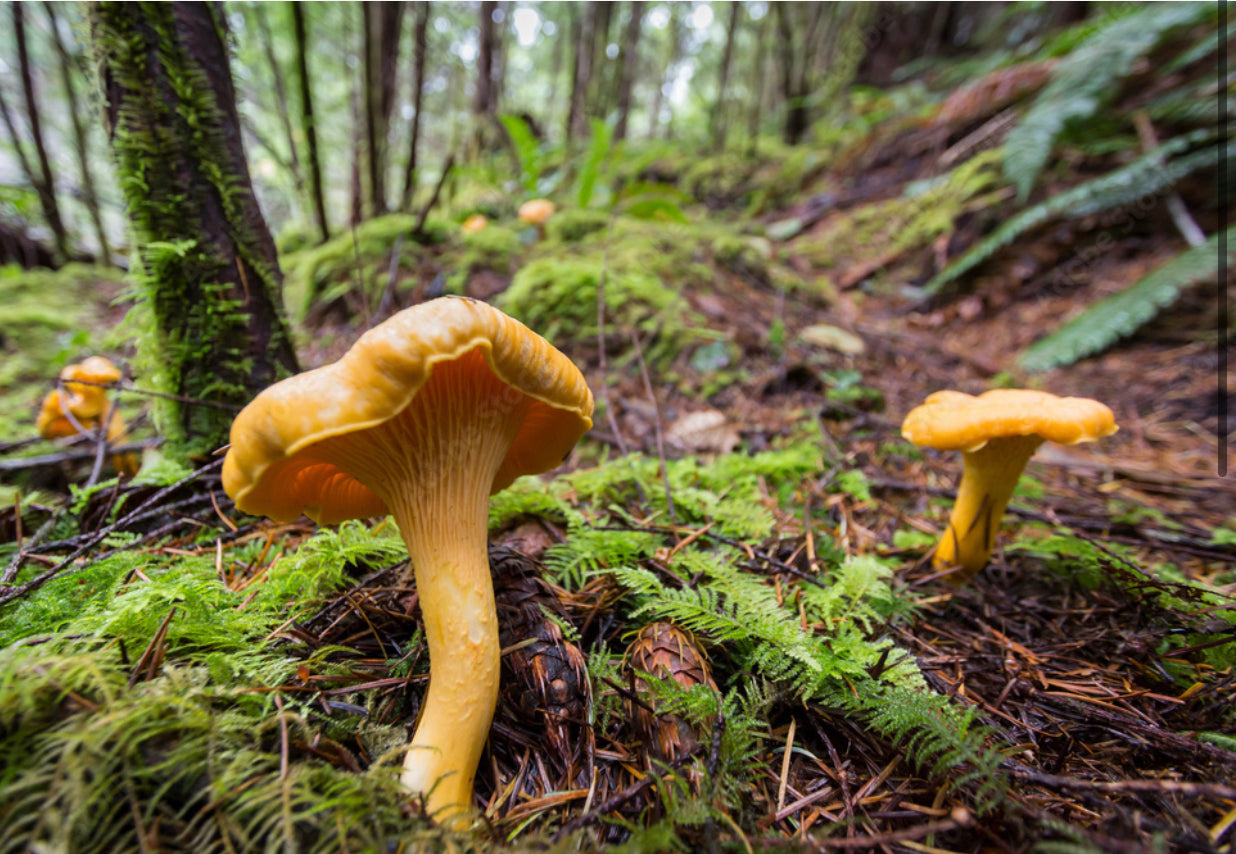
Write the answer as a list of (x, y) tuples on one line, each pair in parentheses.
[(80, 406), (537, 212), (427, 415), (997, 433), (474, 224)]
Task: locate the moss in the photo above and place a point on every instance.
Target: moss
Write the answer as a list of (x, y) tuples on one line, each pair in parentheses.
[(492, 248), (573, 225), (325, 272), (558, 298), (47, 316), (927, 210)]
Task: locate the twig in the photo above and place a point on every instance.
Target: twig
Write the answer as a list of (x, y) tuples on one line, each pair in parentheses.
[(419, 228), (1177, 787), (656, 424), (100, 445), (360, 278), (614, 802), (604, 389), (45, 460), (38, 581), (1185, 224), (392, 272)]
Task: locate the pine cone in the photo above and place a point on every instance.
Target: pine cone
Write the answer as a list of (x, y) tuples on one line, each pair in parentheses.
[(552, 680), (665, 651)]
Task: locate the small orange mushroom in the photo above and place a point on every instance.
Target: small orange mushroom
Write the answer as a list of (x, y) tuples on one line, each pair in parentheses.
[(536, 212), (997, 433), (428, 414), (474, 224), (82, 406)]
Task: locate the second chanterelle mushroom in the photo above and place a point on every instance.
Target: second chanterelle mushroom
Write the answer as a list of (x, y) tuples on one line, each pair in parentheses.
[(997, 433), (428, 414)]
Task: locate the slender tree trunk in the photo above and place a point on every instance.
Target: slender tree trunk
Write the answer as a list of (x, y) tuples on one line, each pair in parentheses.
[(483, 100), (381, 50), (630, 60), (45, 186), (203, 254), (555, 74), (80, 137), (281, 99), (498, 74), (675, 54), (793, 76), (317, 198), (597, 92), (356, 211), (581, 37), (757, 91), (717, 120), (390, 25), (420, 43)]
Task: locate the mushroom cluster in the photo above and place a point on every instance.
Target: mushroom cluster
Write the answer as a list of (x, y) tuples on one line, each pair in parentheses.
[(80, 405), (423, 418), (997, 433)]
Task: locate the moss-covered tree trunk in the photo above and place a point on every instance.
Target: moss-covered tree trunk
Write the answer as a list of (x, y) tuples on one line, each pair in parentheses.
[(203, 256)]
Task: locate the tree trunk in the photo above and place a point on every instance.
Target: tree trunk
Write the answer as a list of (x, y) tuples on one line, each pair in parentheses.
[(753, 118), (597, 93), (317, 197), (281, 99), (795, 102), (483, 100), (420, 42), (675, 54), (356, 187), (45, 186), (717, 120), (630, 60), (581, 37), (382, 23), (203, 255), (80, 137)]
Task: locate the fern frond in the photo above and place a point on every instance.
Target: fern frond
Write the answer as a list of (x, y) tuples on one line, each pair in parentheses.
[(1145, 176), (1103, 323), (937, 736), (527, 151), (1084, 81)]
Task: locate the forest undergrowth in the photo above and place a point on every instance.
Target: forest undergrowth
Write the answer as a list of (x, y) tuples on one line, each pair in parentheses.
[(721, 628)]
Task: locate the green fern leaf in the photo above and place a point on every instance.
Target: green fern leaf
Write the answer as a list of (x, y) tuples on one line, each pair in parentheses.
[(1121, 314), (1085, 81), (527, 151), (1143, 177)]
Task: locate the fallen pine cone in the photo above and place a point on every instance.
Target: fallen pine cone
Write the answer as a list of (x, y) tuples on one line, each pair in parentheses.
[(665, 651), (547, 671)]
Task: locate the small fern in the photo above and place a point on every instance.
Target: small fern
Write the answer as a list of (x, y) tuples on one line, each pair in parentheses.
[(1145, 176), (1085, 81), (1103, 323), (938, 736), (527, 152)]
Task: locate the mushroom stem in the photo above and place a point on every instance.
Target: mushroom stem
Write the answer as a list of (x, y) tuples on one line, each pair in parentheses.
[(433, 465), (447, 543), (988, 478)]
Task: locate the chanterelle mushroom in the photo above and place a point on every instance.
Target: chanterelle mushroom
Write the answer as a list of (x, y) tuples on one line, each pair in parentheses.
[(428, 414), (85, 383), (997, 433), (83, 405), (536, 212)]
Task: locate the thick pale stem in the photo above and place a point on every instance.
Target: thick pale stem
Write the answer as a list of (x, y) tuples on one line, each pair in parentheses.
[(988, 478)]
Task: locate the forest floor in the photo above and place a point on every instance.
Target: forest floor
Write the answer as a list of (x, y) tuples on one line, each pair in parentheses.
[(1093, 653)]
